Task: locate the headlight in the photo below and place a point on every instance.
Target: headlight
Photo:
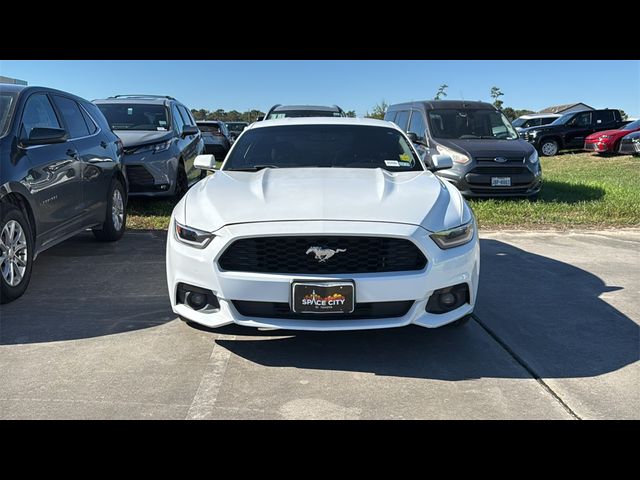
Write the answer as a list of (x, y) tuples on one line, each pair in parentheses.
[(455, 156), (454, 237), (533, 158), (604, 137), (192, 236), (161, 147)]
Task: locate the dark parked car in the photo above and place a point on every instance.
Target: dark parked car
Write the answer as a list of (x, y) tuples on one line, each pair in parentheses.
[(630, 144), (60, 173), (161, 141), (216, 138), (570, 130), (296, 111), (235, 129), (488, 157)]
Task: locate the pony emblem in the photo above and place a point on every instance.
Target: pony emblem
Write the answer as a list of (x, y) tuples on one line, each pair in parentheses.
[(323, 254)]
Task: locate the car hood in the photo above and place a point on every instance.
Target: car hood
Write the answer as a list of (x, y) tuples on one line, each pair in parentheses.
[(488, 147), (351, 194), (632, 136), (135, 138)]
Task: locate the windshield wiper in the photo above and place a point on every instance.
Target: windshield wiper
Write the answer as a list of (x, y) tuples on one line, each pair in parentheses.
[(255, 168)]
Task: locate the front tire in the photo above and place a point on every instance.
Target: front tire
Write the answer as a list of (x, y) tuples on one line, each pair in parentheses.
[(16, 253), (116, 215), (549, 147)]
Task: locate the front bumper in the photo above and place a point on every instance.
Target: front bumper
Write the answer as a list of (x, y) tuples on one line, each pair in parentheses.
[(629, 148), (199, 268), (525, 180), (151, 175), (598, 147)]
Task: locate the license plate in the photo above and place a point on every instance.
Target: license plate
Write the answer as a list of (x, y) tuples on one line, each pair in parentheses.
[(322, 297), (500, 181)]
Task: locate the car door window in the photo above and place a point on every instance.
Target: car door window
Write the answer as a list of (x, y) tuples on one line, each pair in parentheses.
[(38, 113), (185, 115), (605, 116), (583, 120), (402, 118), (178, 122), (417, 125), (72, 116), (390, 116), (91, 125)]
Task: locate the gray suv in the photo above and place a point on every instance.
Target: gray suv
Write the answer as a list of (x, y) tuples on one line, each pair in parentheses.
[(161, 141)]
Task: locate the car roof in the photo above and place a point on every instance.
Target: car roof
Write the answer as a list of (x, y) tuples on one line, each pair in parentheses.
[(322, 108), (138, 99), (209, 122), (444, 104), (280, 122), (26, 89)]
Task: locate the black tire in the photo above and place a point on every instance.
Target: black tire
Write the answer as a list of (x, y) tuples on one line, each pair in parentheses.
[(9, 292), (110, 231), (460, 322), (533, 198), (549, 147), (182, 183)]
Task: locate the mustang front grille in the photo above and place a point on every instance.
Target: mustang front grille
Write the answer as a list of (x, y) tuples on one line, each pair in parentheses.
[(322, 255)]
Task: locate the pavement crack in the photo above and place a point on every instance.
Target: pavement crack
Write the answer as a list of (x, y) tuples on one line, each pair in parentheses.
[(526, 366)]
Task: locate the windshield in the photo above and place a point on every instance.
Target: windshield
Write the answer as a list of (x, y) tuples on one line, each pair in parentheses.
[(135, 116), (563, 119), (302, 113), (209, 127), (235, 126), (337, 146), (458, 123), (7, 102), (518, 122), (629, 126)]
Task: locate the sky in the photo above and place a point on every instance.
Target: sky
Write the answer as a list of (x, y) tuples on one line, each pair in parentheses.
[(352, 84)]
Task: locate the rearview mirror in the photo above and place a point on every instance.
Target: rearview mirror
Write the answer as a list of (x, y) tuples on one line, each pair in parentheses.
[(205, 162), (44, 136), (441, 162), (189, 130)]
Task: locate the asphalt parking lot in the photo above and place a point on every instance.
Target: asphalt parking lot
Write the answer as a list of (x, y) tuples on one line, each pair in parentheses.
[(555, 336)]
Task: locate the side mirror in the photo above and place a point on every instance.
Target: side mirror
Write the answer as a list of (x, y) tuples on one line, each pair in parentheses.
[(44, 136), (441, 162), (189, 130), (205, 162)]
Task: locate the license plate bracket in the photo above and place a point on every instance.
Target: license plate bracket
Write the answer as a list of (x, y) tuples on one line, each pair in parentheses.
[(315, 297), (500, 181)]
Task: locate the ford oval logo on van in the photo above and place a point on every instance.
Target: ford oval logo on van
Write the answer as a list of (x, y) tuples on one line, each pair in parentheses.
[(500, 159)]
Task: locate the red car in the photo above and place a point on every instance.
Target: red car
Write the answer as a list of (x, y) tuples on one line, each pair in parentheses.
[(609, 140)]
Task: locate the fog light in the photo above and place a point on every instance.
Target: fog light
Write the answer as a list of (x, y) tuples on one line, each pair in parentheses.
[(447, 299), (196, 300)]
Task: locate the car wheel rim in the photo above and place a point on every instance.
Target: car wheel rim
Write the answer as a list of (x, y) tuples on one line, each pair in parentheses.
[(549, 148), (117, 210), (13, 253)]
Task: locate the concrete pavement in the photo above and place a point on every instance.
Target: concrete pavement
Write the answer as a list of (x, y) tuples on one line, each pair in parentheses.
[(556, 336)]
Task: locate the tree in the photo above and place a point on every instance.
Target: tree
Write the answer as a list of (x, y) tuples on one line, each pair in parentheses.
[(496, 94), (199, 114), (512, 114), (378, 110), (441, 92), (350, 113)]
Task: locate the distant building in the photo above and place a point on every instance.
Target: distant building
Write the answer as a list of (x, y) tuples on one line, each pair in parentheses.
[(15, 81), (567, 108)]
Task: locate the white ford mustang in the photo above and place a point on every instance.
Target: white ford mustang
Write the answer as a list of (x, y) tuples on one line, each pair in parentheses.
[(323, 224)]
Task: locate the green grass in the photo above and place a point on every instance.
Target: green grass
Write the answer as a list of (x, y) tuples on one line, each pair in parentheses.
[(581, 190)]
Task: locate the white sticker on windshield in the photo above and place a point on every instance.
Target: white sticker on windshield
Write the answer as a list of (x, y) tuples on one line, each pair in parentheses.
[(391, 163), (161, 129)]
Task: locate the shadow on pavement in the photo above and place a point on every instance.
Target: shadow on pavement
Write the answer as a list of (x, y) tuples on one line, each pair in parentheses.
[(83, 288), (546, 308)]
